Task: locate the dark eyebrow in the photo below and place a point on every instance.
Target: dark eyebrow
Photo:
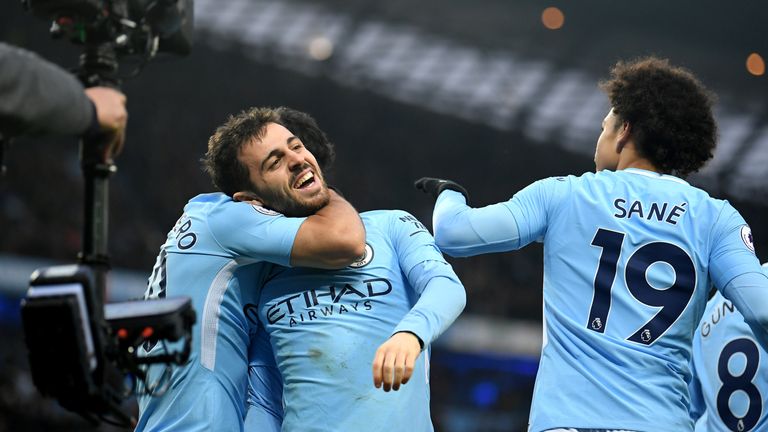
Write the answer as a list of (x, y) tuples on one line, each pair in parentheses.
[(276, 152), (273, 153)]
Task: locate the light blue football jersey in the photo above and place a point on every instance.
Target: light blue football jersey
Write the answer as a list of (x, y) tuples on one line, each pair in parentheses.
[(325, 327), (730, 386), (217, 254), (265, 389), (629, 257)]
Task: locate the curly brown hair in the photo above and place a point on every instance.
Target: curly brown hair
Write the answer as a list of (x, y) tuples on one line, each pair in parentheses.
[(669, 112), (222, 163)]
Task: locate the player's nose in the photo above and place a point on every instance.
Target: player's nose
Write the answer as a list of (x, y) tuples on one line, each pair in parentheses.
[(295, 160)]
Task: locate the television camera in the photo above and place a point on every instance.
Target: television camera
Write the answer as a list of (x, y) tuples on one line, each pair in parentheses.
[(83, 352)]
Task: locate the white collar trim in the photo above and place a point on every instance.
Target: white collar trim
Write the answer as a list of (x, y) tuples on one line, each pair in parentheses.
[(655, 175)]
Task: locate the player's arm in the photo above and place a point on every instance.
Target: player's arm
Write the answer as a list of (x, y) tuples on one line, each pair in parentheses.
[(736, 272), (38, 96), (442, 298), (332, 238), (461, 230)]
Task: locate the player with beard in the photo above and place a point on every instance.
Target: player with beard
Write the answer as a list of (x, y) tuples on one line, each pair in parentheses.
[(339, 335), (220, 248)]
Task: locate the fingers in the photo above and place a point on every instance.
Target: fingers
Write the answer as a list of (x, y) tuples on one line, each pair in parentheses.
[(394, 361), (378, 363), (404, 364), (117, 144), (409, 365), (110, 107), (388, 370)]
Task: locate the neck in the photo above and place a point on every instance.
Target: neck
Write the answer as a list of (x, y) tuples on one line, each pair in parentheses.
[(643, 164), (631, 158)]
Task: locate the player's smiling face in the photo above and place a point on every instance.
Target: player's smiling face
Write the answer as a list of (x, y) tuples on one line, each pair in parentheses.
[(606, 155), (284, 173)]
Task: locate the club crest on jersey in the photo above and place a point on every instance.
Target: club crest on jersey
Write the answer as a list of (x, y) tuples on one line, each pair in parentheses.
[(746, 236), (264, 211), (365, 259)]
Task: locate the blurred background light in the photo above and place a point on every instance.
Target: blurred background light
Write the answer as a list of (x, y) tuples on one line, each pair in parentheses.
[(485, 393), (552, 18), (756, 64), (320, 48)]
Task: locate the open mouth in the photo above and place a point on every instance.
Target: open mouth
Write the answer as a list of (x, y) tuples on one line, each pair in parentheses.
[(305, 181)]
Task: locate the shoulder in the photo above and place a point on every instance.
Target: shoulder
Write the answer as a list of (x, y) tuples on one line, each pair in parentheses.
[(386, 216), (547, 191), (392, 223), (221, 211), (563, 182), (210, 199)]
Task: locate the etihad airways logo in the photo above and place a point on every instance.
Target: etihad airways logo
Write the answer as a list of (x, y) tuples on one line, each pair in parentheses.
[(325, 302)]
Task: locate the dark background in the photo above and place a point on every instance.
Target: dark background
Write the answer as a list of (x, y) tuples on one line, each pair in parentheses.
[(383, 144)]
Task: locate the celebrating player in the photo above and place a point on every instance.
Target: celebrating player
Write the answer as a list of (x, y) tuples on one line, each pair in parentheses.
[(730, 372), (331, 329), (218, 251), (630, 253)]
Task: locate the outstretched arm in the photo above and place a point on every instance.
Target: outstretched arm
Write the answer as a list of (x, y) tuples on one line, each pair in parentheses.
[(736, 272), (461, 230)]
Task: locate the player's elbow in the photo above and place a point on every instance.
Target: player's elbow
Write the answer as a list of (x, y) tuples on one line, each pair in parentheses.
[(344, 246), (346, 252), (449, 239)]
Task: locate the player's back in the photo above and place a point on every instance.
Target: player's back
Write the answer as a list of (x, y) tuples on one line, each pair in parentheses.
[(206, 256), (731, 372), (626, 257)]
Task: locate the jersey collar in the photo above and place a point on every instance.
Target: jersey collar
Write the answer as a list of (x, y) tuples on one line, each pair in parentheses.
[(653, 174)]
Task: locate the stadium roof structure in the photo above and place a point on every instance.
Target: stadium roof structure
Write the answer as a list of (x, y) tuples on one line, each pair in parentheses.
[(494, 62)]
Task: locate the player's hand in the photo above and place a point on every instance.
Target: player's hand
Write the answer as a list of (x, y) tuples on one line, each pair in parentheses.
[(111, 114), (434, 186), (394, 361)]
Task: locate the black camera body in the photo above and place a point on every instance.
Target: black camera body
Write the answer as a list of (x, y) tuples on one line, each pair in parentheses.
[(80, 350), (131, 24), (66, 339), (113, 29)]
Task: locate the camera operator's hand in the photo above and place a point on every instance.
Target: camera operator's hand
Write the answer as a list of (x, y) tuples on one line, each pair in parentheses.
[(111, 113)]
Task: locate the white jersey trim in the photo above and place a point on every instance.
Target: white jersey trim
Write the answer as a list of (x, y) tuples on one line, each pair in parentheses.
[(211, 313), (652, 174)]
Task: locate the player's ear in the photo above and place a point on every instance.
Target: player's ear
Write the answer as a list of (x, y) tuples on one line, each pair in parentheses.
[(625, 133), (246, 196)]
